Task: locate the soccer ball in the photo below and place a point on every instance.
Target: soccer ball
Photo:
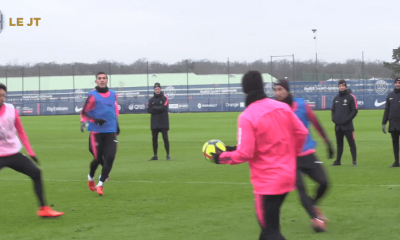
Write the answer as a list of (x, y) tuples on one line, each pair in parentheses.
[(213, 146)]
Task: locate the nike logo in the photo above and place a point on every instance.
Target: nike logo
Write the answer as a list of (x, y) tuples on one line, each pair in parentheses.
[(378, 104), (78, 109)]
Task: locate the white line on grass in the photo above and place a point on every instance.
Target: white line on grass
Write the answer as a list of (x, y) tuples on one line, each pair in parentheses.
[(227, 183)]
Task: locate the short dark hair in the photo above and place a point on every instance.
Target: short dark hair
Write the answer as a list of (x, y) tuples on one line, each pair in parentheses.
[(2, 86), (99, 73)]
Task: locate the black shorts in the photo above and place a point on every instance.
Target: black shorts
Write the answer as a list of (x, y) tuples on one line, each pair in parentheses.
[(20, 163), (104, 145), (307, 162)]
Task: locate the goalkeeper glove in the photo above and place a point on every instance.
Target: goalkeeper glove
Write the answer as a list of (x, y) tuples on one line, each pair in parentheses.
[(230, 148), (34, 158), (330, 150), (215, 158), (83, 126)]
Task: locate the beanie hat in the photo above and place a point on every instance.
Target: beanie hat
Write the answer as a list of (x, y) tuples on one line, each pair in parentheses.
[(342, 82), (252, 81), (283, 83), (157, 85)]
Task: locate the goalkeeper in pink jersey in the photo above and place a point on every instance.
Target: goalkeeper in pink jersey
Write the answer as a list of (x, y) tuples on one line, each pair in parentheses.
[(10, 145), (270, 136)]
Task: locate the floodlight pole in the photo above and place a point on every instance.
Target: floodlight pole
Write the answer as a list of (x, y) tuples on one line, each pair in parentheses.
[(229, 88), (316, 55), (39, 84), (73, 84), (148, 89)]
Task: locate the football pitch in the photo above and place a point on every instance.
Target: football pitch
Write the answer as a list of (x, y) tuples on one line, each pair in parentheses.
[(190, 198)]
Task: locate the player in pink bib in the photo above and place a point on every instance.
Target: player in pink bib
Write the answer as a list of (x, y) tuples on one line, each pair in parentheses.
[(10, 145), (270, 136)]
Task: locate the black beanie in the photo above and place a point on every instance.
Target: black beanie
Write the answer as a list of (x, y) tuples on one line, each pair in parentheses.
[(252, 81), (397, 80), (157, 85), (283, 83), (342, 82)]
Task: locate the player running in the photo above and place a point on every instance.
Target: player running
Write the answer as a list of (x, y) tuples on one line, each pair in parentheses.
[(10, 145), (307, 161), (269, 136), (94, 164), (101, 111)]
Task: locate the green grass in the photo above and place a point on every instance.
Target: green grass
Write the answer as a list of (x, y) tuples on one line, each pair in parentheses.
[(190, 198)]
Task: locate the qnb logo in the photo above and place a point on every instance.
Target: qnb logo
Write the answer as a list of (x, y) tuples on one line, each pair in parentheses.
[(1, 21)]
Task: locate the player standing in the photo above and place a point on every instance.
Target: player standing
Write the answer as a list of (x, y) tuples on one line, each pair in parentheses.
[(269, 136), (101, 110), (10, 145), (344, 110), (157, 106), (392, 114)]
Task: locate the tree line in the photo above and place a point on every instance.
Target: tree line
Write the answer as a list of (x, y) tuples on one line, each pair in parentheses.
[(303, 70)]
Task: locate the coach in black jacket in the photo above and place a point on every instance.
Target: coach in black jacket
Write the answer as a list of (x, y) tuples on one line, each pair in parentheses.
[(392, 113), (158, 108), (344, 110)]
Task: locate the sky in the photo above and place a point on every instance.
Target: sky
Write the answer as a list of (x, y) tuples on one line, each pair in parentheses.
[(172, 30)]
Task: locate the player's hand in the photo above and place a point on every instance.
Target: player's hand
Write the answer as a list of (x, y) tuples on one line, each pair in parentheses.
[(330, 150), (230, 148), (100, 122), (34, 158), (215, 157), (83, 126), (384, 128)]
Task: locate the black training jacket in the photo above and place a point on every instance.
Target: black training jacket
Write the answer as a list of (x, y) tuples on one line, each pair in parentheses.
[(344, 110), (157, 106), (392, 111)]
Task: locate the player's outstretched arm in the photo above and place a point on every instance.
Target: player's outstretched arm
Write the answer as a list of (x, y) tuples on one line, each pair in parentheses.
[(315, 122), (246, 145), (24, 138)]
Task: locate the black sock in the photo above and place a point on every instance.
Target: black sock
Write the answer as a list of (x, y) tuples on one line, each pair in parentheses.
[(353, 151), (396, 152), (155, 141), (37, 183)]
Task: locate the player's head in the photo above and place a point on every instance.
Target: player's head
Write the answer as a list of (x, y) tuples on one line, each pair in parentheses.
[(342, 85), (157, 88), (281, 89), (397, 83), (101, 79), (3, 92), (252, 81)]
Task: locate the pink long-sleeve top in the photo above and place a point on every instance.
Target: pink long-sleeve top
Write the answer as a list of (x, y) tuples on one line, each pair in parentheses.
[(10, 124), (270, 136)]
